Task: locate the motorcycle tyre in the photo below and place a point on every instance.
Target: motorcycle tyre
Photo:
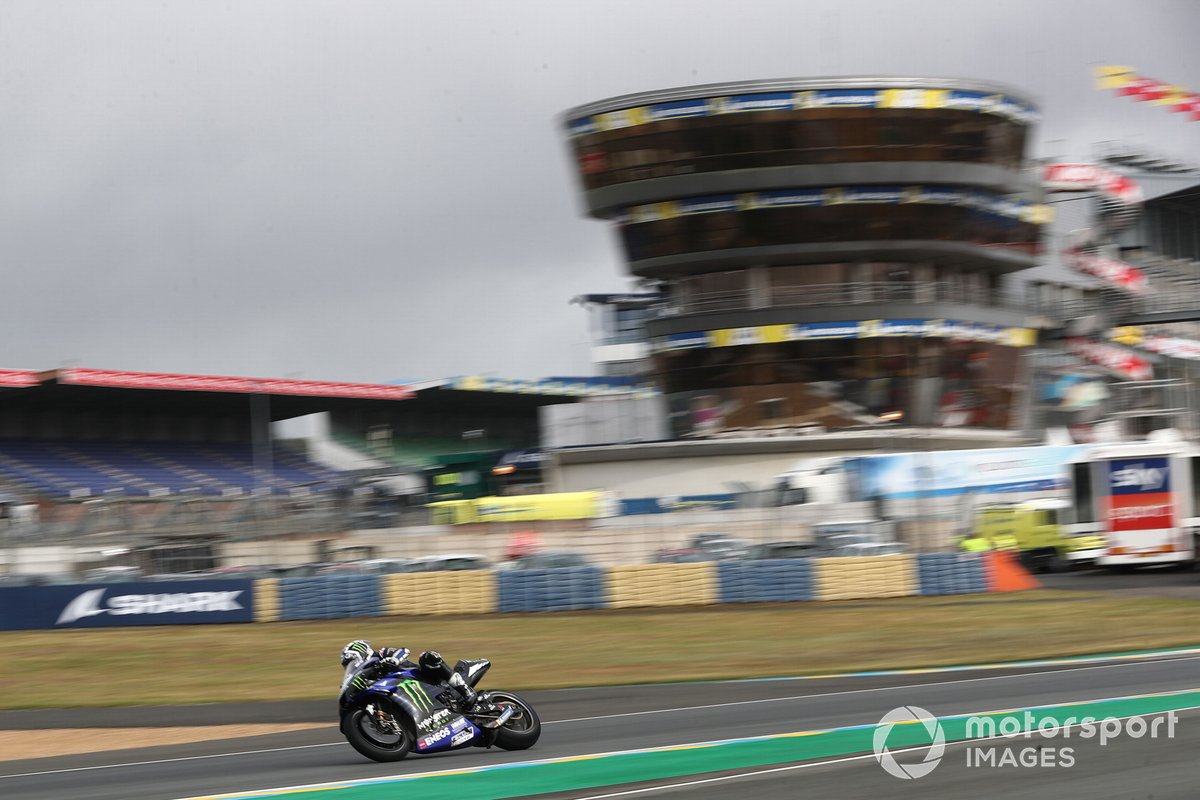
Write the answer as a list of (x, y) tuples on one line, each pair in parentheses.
[(507, 739), (352, 730)]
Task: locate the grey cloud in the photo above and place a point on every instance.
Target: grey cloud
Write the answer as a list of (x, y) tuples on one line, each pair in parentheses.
[(374, 190)]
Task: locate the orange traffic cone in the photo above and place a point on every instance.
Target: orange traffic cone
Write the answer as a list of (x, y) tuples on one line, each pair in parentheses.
[(1005, 573)]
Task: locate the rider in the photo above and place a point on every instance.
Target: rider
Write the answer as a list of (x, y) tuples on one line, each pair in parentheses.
[(430, 666)]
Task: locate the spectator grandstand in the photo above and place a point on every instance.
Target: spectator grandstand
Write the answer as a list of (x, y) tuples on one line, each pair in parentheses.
[(83, 433), (79, 434), (149, 469)]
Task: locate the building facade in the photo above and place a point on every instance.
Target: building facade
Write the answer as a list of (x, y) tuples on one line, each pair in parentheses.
[(829, 252)]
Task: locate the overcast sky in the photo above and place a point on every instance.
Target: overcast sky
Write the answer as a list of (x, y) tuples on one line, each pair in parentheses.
[(374, 191)]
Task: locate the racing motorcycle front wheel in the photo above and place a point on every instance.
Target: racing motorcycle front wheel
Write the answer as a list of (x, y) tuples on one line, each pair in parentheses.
[(373, 729), (522, 729)]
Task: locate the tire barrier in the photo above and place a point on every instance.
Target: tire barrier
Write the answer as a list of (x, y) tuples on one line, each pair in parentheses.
[(779, 581), (656, 585), (267, 605), (329, 597), (566, 589), (857, 577), (418, 593), (951, 573), (484, 592)]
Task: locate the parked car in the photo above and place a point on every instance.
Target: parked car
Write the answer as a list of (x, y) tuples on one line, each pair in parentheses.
[(684, 556), (246, 572), (772, 550), (721, 548), (177, 576), (872, 549), (112, 575), (546, 561), (36, 580), (454, 562), (838, 541), (298, 570), (699, 539), (373, 566)]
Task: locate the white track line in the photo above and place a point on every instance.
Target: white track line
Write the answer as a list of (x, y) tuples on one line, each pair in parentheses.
[(864, 691), (170, 760), (632, 714), (1064, 661)]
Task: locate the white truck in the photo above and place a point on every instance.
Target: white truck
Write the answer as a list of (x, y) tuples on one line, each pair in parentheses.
[(1142, 497)]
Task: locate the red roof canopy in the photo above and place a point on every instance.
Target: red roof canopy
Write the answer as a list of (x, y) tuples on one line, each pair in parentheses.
[(213, 383), (19, 377)]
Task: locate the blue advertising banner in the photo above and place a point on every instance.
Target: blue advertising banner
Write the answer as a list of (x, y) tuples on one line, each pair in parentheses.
[(763, 101), (954, 99), (120, 604), (1002, 470), (665, 505)]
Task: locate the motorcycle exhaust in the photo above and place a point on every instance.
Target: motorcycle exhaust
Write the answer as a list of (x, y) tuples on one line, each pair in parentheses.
[(504, 717)]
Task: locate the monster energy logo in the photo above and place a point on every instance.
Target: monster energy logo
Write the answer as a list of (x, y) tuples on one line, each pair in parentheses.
[(415, 693)]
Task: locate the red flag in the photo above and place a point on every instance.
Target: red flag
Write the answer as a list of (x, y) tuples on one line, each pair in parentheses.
[(1184, 103), (1136, 88), (1152, 90)]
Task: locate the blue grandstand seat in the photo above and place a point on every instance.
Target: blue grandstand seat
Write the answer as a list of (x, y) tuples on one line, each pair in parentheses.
[(143, 468)]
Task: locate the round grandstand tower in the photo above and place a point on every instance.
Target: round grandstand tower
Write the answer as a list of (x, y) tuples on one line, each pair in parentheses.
[(830, 251)]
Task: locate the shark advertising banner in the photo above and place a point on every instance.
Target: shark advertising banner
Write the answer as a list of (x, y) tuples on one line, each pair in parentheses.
[(121, 604)]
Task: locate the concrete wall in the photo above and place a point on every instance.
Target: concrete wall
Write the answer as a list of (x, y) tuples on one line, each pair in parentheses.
[(718, 464), (659, 477)]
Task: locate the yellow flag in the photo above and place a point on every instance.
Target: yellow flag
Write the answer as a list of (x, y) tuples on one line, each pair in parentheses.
[(1113, 77), (1128, 334)]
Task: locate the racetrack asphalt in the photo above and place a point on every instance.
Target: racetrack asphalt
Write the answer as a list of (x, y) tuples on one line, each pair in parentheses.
[(606, 719), (1125, 769)]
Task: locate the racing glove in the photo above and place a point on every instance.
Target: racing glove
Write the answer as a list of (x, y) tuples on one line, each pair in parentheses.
[(392, 658)]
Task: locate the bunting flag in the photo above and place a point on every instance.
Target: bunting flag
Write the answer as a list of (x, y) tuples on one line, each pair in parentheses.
[(1127, 83), (1082, 254)]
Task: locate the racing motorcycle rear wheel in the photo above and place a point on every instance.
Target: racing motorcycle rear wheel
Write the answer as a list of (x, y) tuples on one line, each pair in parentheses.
[(523, 727), (373, 729)]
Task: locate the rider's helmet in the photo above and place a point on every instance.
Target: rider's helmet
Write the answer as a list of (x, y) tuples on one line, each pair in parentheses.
[(432, 661), (358, 650)]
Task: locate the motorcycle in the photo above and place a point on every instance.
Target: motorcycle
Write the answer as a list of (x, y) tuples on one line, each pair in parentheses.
[(387, 716)]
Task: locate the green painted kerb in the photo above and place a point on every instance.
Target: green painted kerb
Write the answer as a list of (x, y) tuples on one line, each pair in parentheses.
[(493, 783)]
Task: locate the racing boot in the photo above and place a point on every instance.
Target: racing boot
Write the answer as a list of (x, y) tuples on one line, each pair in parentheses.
[(469, 695)]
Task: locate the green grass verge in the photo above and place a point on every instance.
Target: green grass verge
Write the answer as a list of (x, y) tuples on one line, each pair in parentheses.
[(298, 660)]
